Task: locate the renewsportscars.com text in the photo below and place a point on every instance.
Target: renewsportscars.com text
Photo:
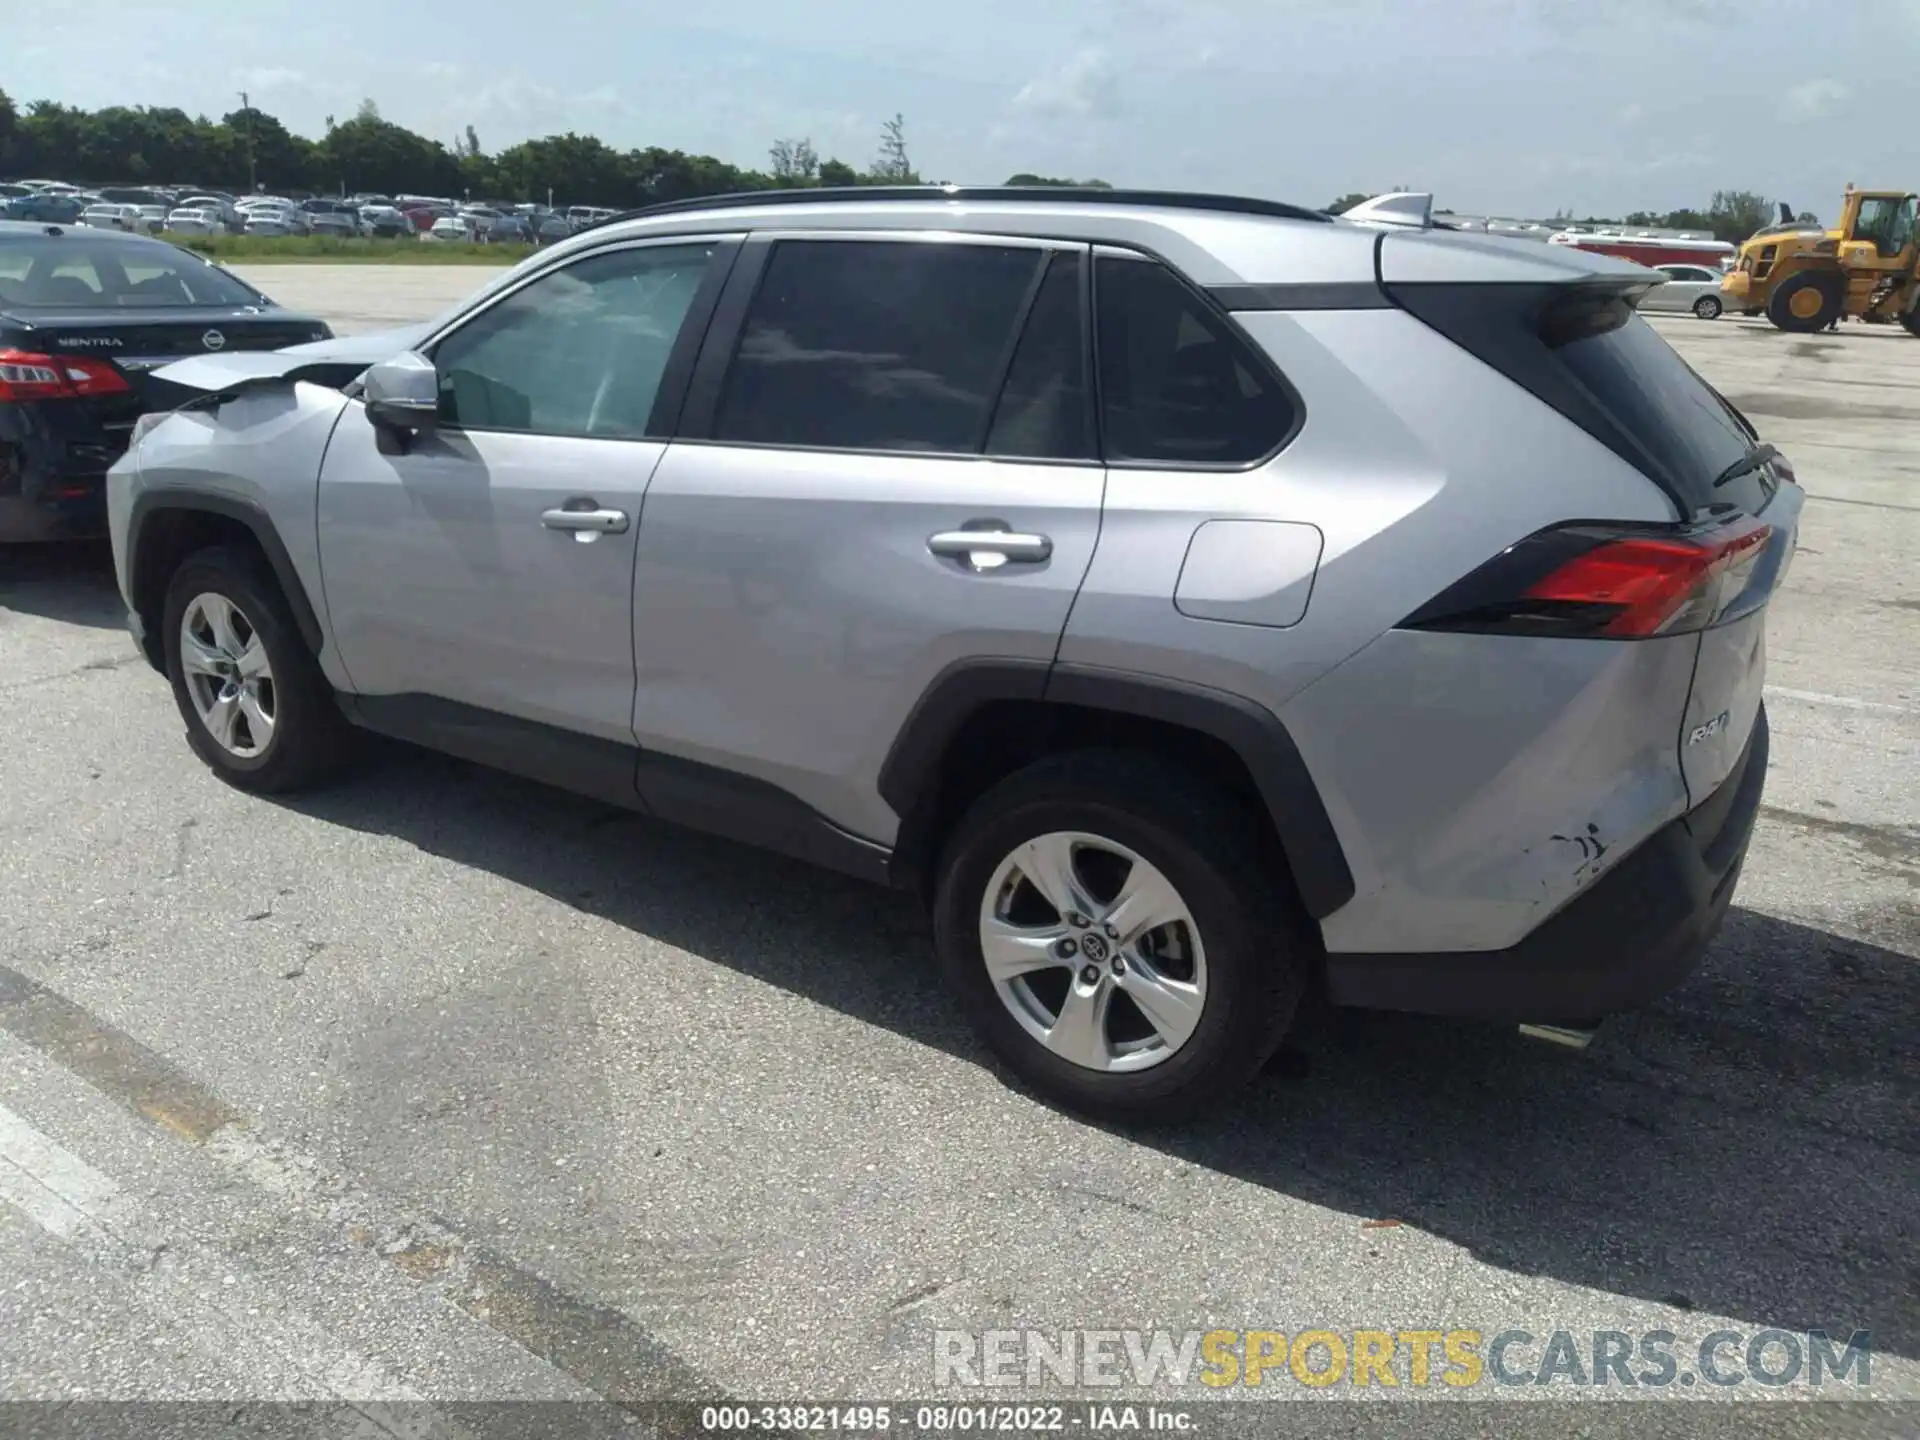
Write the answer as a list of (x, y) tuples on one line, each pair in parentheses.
[(1394, 1359)]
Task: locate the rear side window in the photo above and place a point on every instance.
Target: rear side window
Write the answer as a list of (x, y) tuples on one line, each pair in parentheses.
[(1178, 386), (1586, 352), (877, 345)]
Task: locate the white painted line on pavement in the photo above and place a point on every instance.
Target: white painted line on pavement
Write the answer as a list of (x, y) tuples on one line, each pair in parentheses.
[(55, 1170), (231, 1314), (1841, 702), (39, 1204)]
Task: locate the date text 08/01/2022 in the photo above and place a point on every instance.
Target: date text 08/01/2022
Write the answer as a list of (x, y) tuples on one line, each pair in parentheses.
[(944, 1419)]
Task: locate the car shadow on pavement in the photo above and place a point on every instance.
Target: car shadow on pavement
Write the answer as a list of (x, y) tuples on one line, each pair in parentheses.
[(1750, 1147), (71, 581)]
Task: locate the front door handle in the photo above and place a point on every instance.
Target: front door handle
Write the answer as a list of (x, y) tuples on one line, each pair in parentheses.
[(586, 520), (990, 547)]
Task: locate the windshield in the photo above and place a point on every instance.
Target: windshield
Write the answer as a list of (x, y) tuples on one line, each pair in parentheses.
[(68, 273)]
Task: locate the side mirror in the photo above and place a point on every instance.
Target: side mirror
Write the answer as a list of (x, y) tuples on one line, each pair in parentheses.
[(402, 395)]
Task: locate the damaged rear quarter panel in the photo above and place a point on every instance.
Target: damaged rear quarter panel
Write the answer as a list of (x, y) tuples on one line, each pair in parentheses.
[(1480, 782)]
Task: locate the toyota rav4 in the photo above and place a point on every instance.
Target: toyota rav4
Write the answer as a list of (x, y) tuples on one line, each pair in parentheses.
[(1199, 601)]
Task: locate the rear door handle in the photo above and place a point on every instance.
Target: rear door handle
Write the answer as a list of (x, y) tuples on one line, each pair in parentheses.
[(990, 548), (587, 524)]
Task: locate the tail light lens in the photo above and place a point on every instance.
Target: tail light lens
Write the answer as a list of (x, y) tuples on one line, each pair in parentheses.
[(1603, 582), (28, 376)]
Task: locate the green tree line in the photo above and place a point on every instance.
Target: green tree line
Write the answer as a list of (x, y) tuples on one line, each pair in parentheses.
[(248, 148), (1732, 215)]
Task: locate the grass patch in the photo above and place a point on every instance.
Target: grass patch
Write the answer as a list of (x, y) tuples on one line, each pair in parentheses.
[(341, 250)]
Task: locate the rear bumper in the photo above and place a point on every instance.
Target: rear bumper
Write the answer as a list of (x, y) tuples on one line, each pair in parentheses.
[(23, 521), (1635, 935), (53, 471)]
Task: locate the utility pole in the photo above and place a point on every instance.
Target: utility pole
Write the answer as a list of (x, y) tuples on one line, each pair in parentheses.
[(253, 179)]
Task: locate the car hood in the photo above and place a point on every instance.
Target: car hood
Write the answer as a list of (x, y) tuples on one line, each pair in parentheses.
[(327, 362), (369, 349)]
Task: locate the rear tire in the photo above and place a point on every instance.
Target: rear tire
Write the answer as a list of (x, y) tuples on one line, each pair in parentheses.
[(1808, 302), (257, 709), (1910, 322), (1707, 307), (1141, 1027)]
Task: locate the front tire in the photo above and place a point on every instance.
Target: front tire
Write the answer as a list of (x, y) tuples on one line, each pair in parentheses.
[(1910, 322), (257, 709), (1809, 302), (1122, 934), (1707, 307)]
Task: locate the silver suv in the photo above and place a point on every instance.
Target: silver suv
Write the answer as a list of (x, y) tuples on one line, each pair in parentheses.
[(1200, 601)]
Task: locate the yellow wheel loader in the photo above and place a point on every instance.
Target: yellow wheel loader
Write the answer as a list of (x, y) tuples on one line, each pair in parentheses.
[(1804, 279)]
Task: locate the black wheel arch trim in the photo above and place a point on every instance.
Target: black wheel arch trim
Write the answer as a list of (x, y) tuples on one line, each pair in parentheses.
[(258, 523), (910, 773)]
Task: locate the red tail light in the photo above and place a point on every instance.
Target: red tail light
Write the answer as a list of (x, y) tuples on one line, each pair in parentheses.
[(28, 376), (1603, 582)]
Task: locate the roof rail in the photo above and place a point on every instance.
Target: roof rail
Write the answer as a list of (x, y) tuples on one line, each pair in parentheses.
[(1052, 194)]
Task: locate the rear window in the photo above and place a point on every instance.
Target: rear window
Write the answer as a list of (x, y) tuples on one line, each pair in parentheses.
[(1658, 399), (68, 273)]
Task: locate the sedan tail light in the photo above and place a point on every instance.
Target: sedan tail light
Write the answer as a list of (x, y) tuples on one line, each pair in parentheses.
[(28, 376)]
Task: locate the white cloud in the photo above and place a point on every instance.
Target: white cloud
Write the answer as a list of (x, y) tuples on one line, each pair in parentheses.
[(1813, 99), (1627, 114), (1086, 87), (271, 77)]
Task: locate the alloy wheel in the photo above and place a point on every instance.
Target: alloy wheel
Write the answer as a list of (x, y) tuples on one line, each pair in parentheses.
[(228, 675), (1094, 952)]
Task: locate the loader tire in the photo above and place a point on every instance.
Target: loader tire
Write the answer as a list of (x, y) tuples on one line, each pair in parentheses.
[(1808, 302)]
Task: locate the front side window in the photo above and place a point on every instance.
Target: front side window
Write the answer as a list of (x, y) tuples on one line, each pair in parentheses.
[(580, 351), (876, 345), (1178, 386), (1878, 221), (1901, 233)]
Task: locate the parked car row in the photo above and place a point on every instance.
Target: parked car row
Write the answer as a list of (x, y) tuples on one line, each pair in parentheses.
[(195, 211)]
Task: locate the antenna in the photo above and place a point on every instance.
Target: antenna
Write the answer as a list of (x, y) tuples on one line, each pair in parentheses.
[(1408, 209)]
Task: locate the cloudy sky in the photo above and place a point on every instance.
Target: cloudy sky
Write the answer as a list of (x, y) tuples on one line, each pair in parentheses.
[(1513, 106)]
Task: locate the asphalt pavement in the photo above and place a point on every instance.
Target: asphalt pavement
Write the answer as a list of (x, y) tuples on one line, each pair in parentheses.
[(439, 1087)]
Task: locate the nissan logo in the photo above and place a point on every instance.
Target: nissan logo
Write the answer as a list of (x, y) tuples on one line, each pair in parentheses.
[(213, 340)]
